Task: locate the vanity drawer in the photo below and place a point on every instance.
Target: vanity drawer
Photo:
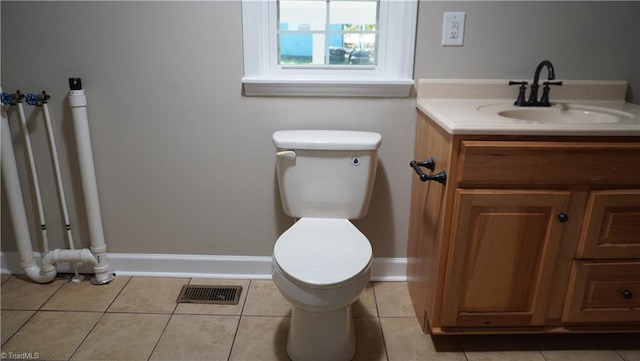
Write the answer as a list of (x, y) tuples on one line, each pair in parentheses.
[(611, 227), (604, 292), (485, 163)]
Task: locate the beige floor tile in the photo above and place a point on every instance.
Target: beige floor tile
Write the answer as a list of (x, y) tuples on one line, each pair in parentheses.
[(4, 277), (405, 341), (122, 336), (261, 339), (209, 309), (196, 337), (52, 335), (630, 355), (20, 293), (582, 355), (393, 299), (11, 322), (264, 299), (369, 340), (149, 294), (365, 306), (85, 296), (504, 356)]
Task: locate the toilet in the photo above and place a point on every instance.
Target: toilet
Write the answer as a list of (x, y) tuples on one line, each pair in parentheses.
[(322, 263)]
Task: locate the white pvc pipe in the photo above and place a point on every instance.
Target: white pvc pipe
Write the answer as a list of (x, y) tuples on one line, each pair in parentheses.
[(11, 183), (34, 174), (78, 103), (68, 255), (63, 199)]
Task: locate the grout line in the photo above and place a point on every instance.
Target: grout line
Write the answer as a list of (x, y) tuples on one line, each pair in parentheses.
[(53, 294), (101, 317), (164, 329), (621, 355), (34, 311), (235, 335), (87, 335), (8, 278), (21, 326), (118, 295), (384, 341), (464, 353)]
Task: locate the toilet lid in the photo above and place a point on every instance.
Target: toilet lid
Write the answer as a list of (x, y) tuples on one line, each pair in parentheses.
[(322, 251)]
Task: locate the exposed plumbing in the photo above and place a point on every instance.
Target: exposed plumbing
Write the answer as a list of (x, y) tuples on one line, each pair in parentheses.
[(42, 101), (96, 255), (78, 102)]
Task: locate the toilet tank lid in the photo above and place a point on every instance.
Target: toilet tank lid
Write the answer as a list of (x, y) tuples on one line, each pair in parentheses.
[(327, 139)]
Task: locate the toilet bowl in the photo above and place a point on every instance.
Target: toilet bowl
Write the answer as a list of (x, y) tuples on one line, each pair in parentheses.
[(321, 266)]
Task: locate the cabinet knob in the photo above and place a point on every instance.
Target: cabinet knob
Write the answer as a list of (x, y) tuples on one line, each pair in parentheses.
[(627, 295), (562, 217)]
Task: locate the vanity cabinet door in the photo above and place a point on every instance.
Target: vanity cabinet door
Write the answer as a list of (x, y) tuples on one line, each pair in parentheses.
[(611, 228), (501, 259)]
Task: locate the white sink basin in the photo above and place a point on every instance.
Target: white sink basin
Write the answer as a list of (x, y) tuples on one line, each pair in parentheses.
[(566, 113)]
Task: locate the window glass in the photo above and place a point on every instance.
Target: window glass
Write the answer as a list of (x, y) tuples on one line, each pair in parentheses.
[(328, 32)]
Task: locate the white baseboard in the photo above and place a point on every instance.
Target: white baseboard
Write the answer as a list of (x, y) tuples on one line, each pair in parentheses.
[(200, 266)]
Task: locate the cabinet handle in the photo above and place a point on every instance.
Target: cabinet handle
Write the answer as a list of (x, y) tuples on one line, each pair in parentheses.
[(562, 217), (627, 295), (430, 164)]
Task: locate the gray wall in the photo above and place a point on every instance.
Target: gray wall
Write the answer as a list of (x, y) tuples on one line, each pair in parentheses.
[(594, 40), (185, 163)]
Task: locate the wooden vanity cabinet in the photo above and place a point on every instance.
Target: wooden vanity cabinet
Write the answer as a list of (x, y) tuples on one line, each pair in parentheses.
[(529, 234)]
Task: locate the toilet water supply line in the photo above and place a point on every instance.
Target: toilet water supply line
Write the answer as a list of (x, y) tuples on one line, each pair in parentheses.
[(96, 256)]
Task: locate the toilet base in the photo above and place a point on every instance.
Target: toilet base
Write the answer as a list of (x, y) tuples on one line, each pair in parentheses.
[(321, 335)]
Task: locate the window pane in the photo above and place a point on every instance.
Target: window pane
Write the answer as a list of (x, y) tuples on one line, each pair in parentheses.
[(303, 15), (355, 13), (302, 48), (335, 32)]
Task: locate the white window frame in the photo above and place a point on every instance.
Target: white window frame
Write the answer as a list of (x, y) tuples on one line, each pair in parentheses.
[(391, 77)]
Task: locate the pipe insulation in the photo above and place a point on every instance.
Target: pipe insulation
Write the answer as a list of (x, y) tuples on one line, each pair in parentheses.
[(78, 103)]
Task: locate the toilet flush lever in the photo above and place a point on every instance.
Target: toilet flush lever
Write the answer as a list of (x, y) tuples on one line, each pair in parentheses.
[(289, 154)]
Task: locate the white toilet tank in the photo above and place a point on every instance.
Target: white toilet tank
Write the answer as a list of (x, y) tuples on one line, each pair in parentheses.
[(326, 173)]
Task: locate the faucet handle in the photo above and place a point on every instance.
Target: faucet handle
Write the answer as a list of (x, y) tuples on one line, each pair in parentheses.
[(544, 100), (521, 92)]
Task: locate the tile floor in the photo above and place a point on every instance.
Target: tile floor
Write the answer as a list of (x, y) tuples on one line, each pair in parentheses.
[(136, 318)]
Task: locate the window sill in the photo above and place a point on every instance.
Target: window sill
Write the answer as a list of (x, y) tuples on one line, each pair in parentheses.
[(374, 87)]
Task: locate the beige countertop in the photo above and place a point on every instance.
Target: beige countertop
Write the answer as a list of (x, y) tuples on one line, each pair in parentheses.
[(472, 107)]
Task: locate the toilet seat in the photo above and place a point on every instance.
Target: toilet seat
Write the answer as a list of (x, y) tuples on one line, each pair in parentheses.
[(322, 252)]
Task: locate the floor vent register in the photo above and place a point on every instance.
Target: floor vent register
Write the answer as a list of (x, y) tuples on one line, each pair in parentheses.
[(218, 295)]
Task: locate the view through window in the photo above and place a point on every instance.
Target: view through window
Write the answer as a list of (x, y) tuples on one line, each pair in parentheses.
[(328, 32)]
